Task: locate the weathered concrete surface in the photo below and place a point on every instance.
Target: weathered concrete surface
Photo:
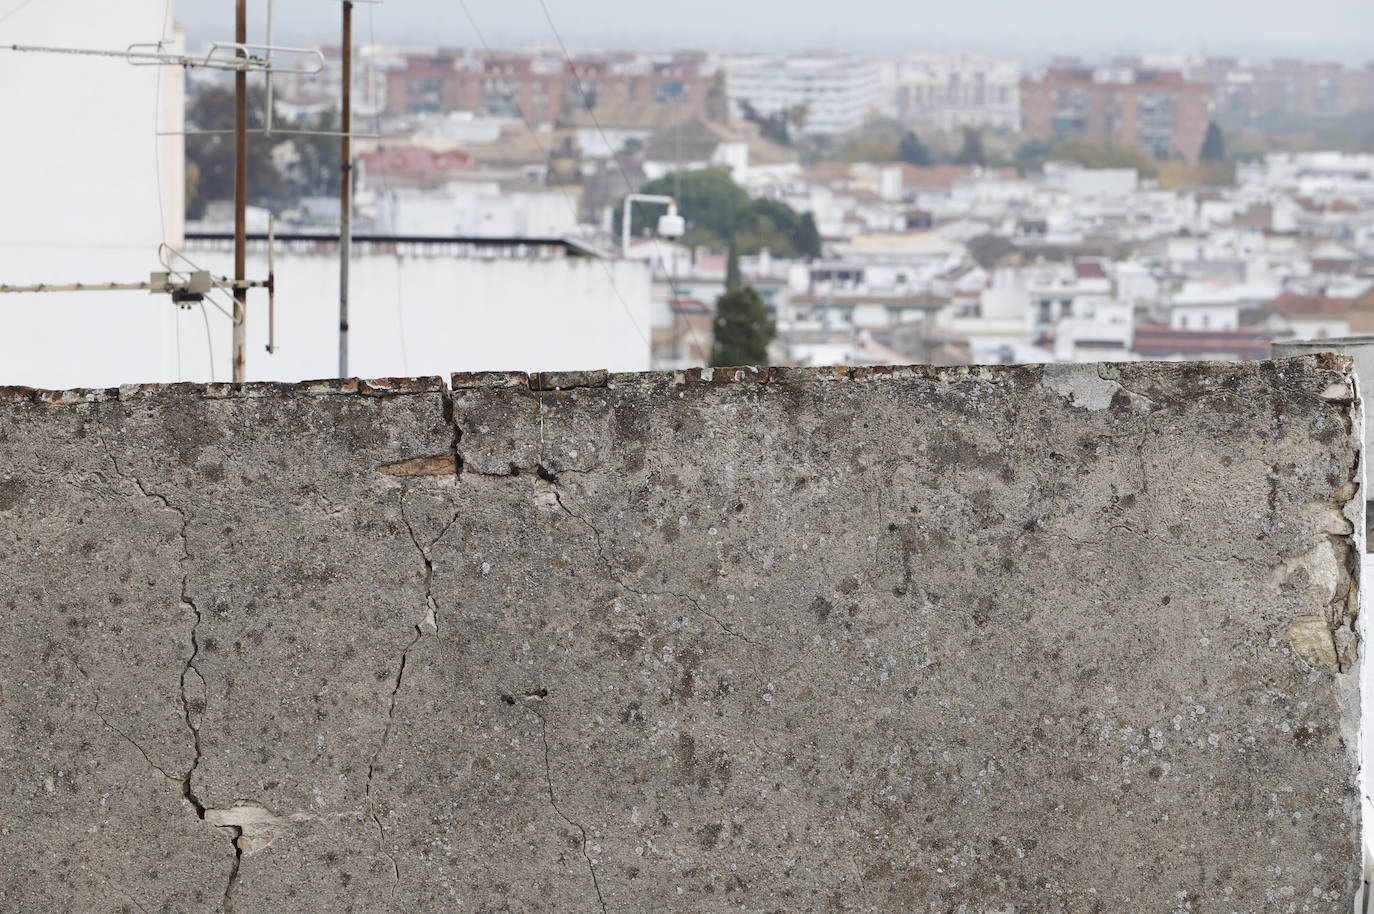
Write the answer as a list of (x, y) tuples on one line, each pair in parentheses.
[(989, 640)]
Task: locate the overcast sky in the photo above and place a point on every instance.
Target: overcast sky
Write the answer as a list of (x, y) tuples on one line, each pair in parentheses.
[(1032, 28)]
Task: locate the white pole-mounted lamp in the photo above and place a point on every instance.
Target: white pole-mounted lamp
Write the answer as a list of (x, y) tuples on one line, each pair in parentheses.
[(670, 224)]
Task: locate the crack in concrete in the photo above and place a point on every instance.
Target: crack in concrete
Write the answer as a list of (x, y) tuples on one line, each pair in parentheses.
[(446, 398), (228, 902), (131, 899), (189, 712), (430, 622), (553, 801), (95, 709), (614, 575)]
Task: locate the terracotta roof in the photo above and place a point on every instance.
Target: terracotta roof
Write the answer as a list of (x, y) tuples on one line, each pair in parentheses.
[(1293, 303), (691, 140), (829, 171), (636, 114), (1089, 269), (1362, 313), (1158, 341), (415, 163)]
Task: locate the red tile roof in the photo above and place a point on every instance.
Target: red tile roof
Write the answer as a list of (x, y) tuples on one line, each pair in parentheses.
[(1089, 269), (414, 163), (1158, 341), (1293, 304)]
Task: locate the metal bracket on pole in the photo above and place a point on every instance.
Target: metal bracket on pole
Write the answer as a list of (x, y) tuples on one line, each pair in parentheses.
[(271, 283)]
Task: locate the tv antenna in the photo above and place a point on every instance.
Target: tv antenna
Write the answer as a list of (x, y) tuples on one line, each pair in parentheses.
[(188, 286)]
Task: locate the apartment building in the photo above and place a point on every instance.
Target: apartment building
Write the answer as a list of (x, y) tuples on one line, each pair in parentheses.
[(541, 86), (1157, 111), (1253, 92), (822, 92), (949, 90)]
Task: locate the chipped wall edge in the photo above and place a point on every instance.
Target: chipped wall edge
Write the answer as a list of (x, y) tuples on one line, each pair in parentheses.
[(543, 381)]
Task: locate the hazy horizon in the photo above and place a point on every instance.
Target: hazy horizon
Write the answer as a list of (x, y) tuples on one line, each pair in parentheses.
[(1032, 29)]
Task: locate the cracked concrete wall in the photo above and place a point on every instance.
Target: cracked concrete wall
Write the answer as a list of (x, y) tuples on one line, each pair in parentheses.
[(1062, 639)]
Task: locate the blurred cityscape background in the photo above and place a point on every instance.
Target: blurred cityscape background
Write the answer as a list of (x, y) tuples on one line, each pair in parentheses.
[(858, 205)]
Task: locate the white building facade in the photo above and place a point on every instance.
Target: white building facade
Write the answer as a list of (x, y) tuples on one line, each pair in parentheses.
[(947, 90), (837, 91), (89, 190)]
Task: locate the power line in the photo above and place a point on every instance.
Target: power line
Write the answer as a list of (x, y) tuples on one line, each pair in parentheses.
[(629, 185), (157, 126), (534, 136), (15, 11)]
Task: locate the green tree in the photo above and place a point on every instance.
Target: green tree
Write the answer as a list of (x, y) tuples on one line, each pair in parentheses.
[(773, 126), (709, 200), (878, 140), (212, 155), (912, 151), (808, 237), (720, 213), (1033, 153), (768, 224), (1213, 144), (971, 153), (1094, 154), (315, 172), (733, 279), (743, 328)]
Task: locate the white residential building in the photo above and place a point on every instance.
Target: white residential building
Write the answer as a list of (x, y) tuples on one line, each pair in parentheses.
[(92, 207), (1101, 331), (947, 90), (473, 208), (837, 91)]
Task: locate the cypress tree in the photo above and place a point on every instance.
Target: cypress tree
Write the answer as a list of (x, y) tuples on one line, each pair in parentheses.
[(912, 151), (1213, 144), (972, 151), (808, 241), (743, 328)]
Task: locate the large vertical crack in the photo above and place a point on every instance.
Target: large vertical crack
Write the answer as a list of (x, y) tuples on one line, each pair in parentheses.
[(190, 708), (429, 623), (553, 801)]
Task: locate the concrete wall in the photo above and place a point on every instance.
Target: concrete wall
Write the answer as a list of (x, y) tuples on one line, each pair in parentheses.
[(1073, 639)]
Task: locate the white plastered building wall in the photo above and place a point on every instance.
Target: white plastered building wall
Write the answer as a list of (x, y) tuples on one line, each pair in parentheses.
[(89, 191)]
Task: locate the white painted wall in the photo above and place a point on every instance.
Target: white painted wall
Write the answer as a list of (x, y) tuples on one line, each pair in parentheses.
[(80, 168), (1204, 317), (479, 209), (421, 314)]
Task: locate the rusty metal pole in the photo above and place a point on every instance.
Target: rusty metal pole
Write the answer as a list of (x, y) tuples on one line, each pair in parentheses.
[(240, 193), (345, 187)]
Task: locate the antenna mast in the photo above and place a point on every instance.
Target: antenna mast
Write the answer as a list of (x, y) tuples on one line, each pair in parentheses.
[(240, 194), (345, 186)]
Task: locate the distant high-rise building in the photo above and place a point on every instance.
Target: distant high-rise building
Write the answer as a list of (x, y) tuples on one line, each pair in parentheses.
[(1159, 112), (819, 93), (541, 86), (1251, 93), (949, 90)]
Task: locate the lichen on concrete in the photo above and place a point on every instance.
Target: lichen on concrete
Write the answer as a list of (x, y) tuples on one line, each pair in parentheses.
[(1050, 639)]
